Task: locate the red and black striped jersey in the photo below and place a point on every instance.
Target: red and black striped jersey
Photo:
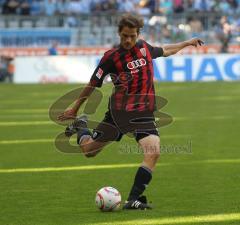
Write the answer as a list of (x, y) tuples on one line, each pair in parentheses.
[(132, 74)]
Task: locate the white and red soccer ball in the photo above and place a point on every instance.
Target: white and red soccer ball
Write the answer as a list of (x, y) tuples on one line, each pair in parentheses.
[(108, 199)]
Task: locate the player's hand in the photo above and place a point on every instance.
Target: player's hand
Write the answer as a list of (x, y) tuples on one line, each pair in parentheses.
[(68, 114), (195, 42)]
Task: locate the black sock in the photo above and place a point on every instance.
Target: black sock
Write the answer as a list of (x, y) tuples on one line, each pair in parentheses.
[(142, 179)]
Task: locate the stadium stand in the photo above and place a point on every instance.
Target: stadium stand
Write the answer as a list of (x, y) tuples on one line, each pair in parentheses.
[(92, 22)]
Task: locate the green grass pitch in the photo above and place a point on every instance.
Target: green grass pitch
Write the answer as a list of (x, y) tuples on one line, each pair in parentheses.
[(198, 185)]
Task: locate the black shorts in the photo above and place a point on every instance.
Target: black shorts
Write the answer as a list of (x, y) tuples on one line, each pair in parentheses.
[(116, 124)]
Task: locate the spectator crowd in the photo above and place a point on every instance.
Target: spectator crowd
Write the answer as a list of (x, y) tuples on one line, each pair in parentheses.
[(143, 7), (212, 20)]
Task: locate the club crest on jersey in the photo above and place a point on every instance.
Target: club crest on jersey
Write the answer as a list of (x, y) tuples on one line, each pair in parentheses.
[(99, 73), (143, 51)]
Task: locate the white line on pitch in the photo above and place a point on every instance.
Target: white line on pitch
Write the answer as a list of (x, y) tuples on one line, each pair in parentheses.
[(217, 117), (72, 168), (180, 220), (43, 115), (29, 141), (25, 123), (112, 166), (24, 110)]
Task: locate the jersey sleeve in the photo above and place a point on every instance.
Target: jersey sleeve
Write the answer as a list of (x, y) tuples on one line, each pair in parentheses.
[(154, 51), (103, 69)]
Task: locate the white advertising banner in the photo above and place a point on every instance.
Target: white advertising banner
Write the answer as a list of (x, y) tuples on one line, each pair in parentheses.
[(198, 67), (54, 69), (78, 69)]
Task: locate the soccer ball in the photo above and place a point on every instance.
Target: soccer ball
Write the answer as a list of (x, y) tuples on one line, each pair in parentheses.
[(108, 199)]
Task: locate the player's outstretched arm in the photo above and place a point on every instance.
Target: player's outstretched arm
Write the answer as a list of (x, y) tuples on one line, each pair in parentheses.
[(172, 49), (72, 112)]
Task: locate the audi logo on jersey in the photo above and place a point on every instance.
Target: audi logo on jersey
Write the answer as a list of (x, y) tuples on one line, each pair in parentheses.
[(136, 63)]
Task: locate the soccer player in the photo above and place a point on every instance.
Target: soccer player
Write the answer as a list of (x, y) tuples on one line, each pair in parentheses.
[(132, 104)]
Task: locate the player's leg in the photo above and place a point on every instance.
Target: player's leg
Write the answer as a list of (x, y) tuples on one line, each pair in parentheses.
[(90, 147), (92, 144), (151, 149), (150, 143)]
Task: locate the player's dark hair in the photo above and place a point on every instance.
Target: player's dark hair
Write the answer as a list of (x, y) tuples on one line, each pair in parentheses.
[(131, 21)]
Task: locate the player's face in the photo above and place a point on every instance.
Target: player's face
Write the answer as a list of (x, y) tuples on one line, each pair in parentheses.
[(128, 37)]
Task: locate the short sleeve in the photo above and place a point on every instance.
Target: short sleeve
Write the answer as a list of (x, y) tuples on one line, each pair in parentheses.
[(154, 51), (103, 69)]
